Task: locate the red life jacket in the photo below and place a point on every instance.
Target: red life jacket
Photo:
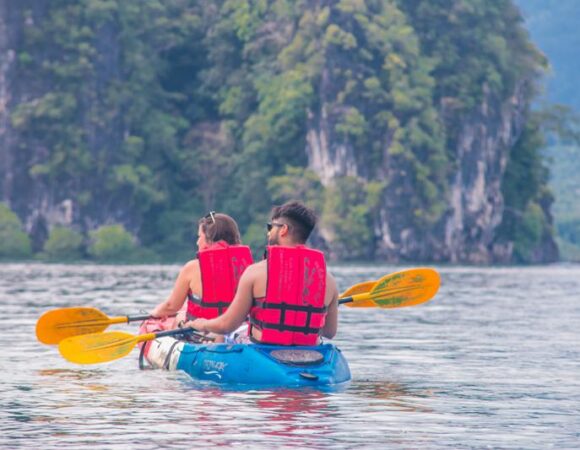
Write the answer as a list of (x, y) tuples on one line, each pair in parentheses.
[(293, 311), (221, 267)]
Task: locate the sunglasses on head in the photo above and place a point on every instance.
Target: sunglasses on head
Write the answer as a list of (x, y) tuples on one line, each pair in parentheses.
[(210, 215), (271, 225)]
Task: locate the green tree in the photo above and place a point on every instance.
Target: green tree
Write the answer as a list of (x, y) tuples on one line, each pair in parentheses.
[(111, 242), (256, 237), (63, 244), (349, 207), (14, 243), (525, 192), (297, 183)]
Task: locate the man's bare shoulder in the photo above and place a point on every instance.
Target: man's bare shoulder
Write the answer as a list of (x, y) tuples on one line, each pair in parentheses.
[(330, 281), (260, 265), (331, 289)]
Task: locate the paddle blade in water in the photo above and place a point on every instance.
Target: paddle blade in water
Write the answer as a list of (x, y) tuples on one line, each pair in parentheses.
[(56, 325), (400, 289), (98, 347)]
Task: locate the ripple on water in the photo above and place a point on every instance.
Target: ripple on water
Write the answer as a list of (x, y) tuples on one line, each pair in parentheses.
[(492, 362)]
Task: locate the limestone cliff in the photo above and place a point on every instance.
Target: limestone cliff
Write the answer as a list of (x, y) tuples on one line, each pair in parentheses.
[(79, 199), (467, 232)]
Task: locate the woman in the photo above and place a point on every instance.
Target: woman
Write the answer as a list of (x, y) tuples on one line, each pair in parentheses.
[(206, 285)]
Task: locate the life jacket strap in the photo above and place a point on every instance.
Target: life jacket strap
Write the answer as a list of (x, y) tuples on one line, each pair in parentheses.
[(220, 305), (287, 307), (283, 327)]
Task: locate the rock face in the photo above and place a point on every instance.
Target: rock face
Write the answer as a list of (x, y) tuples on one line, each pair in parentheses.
[(7, 56), (467, 231), (34, 203), (327, 157), (477, 205)]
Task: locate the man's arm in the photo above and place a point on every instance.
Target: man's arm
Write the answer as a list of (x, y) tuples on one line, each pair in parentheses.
[(237, 312), (331, 324)]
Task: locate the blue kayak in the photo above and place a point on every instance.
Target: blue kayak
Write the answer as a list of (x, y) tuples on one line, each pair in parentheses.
[(251, 364)]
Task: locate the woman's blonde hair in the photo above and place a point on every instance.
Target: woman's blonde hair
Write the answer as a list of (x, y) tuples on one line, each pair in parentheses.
[(220, 227)]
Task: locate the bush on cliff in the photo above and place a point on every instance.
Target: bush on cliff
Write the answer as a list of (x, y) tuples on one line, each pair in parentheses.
[(14, 243), (112, 242), (63, 244)]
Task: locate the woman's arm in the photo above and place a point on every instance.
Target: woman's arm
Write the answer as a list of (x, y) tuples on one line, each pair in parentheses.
[(179, 293)]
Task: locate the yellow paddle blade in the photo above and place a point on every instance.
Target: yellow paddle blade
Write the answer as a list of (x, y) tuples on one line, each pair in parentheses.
[(56, 325), (400, 289), (358, 289), (98, 347)]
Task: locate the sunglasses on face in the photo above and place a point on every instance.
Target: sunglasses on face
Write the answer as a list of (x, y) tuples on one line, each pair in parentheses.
[(271, 225)]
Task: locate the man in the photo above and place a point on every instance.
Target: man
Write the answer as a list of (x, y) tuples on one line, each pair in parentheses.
[(290, 297)]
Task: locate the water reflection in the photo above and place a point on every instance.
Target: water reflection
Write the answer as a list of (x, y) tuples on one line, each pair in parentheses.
[(71, 374), (281, 417), (295, 412), (492, 362), (393, 395)]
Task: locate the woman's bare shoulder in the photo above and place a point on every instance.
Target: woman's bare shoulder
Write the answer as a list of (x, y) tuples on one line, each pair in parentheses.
[(190, 267)]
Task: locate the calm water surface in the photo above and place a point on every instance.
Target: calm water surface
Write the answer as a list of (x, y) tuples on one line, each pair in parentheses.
[(492, 362)]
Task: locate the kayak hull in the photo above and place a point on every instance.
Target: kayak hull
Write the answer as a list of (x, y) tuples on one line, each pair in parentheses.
[(252, 364)]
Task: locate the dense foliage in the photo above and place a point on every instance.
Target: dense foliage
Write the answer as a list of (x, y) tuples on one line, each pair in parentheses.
[(64, 244), (14, 243), (161, 110), (524, 192), (111, 243)]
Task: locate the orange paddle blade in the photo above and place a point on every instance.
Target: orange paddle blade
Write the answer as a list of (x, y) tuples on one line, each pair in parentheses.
[(360, 288), (400, 289), (56, 325)]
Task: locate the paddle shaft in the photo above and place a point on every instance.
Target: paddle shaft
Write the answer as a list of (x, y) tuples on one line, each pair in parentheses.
[(368, 295), (138, 318), (176, 332), (127, 319)]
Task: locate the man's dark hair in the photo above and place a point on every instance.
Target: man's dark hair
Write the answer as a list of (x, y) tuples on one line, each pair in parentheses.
[(300, 218)]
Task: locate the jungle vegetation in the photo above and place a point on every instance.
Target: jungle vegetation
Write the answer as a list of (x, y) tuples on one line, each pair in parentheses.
[(168, 109)]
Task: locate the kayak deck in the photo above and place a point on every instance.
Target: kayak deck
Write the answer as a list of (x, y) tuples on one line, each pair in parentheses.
[(251, 364)]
